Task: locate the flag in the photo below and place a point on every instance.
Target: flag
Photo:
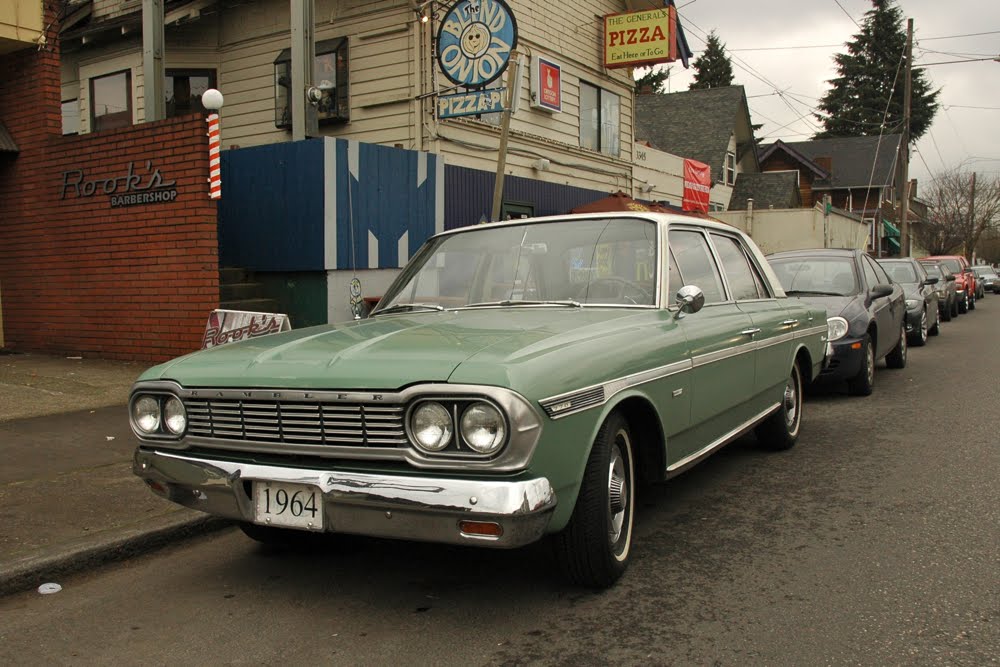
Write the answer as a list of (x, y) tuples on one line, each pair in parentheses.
[(683, 50)]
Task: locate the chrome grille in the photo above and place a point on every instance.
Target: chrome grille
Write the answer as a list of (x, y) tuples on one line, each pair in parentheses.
[(299, 423)]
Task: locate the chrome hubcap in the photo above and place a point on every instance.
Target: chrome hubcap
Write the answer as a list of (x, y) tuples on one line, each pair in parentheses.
[(791, 403), (618, 491)]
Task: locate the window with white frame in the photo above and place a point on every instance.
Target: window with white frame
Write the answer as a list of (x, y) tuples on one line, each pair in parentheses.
[(730, 168), (600, 128), (71, 117), (111, 101)]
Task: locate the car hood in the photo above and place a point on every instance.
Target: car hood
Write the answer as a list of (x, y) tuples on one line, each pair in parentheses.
[(392, 351), (836, 306)]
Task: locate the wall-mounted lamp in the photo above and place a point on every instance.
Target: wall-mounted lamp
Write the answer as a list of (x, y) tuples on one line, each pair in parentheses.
[(645, 187), (541, 164), (422, 11)]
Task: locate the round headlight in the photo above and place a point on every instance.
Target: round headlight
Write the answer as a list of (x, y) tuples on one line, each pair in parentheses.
[(912, 303), (174, 415), (431, 427), (836, 328), (146, 414), (483, 428)]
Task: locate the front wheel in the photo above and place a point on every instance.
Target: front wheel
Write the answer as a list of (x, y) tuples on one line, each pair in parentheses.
[(897, 357), (920, 335), (781, 429), (972, 301), (863, 383), (594, 548), (963, 304)]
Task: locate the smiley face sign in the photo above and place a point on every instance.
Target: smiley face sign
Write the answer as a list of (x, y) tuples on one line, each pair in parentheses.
[(475, 40)]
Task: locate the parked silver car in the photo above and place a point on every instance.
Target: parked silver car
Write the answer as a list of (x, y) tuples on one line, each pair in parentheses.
[(987, 277)]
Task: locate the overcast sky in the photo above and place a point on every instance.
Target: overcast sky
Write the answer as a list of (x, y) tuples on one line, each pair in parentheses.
[(961, 136)]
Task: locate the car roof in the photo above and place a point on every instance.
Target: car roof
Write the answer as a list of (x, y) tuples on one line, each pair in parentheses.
[(669, 218), (817, 252)]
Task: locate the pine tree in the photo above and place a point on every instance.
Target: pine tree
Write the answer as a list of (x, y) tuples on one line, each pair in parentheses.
[(655, 78), (856, 102), (712, 68)]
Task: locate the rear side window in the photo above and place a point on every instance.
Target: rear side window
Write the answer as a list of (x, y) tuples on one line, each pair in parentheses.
[(696, 264), (743, 279)]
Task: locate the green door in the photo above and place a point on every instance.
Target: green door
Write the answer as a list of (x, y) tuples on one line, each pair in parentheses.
[(722, 350)]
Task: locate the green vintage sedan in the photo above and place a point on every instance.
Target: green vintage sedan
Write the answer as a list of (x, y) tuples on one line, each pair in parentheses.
[(518, 381)]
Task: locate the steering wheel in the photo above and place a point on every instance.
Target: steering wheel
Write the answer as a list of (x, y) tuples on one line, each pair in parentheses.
[(616, 288)]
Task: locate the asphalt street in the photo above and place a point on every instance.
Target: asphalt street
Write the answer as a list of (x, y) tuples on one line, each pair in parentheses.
[(875, 541)]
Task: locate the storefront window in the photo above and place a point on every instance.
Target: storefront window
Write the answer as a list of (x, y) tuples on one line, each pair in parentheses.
[(331, 74), (111, 101), (599, 120), (184, 89)]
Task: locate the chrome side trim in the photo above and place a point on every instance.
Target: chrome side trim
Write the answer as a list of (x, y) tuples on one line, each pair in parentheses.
[(722, 355), (694, 458), (379, 505), (554, 405)]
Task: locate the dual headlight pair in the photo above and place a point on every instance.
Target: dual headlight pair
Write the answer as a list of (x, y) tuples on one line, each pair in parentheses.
[(481, 426), (159, 414)]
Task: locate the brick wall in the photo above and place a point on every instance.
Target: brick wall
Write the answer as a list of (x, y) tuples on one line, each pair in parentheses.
[(78, 276)]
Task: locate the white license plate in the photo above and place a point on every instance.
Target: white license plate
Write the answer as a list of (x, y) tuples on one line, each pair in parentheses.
[(287, 505)]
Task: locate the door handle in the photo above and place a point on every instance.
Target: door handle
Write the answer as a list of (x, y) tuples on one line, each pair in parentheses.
[(789, 323), (750, 332)]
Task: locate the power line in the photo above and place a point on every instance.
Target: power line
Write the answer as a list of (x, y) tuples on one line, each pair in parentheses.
[(971, 34), (847, 13)]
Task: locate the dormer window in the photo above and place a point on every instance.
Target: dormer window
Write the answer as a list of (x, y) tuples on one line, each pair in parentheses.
[(331, 74), (730, 168)]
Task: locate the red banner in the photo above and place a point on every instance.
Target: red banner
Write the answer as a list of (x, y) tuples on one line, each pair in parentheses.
[(697, 185)]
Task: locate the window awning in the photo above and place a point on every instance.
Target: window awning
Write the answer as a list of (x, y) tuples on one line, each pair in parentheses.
[(890, 230), (7, 144), (893, 242)]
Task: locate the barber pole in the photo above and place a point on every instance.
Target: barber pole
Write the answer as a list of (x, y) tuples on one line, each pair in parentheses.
[(214, 172)]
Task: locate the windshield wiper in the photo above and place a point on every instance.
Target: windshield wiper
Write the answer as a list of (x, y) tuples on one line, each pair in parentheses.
[(807, 291), (524, 302), (398, 307)]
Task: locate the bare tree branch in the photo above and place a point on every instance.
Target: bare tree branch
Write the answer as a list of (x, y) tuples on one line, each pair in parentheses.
[(951, 227)]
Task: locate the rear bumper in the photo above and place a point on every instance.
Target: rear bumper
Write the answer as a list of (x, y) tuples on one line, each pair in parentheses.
[(394, 506)]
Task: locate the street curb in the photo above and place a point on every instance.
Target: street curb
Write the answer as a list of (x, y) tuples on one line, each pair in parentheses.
[(27, 573)]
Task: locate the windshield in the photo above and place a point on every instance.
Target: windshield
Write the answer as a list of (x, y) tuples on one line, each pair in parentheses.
[(932, 270), (571, 262), (833, 276), (901, 272), (953, 265)]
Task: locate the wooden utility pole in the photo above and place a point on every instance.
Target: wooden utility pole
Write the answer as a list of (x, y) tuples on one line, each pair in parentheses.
[(508, 111), (972, 217), (904, 150)]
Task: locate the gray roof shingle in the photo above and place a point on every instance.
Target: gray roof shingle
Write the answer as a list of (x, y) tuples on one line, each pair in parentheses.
[(775, 189), (695, 124), (851, 159)]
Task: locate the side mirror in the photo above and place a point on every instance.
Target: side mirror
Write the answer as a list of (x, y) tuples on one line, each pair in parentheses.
[(931, 280), (951, 278), (690, 299), (881, 289)]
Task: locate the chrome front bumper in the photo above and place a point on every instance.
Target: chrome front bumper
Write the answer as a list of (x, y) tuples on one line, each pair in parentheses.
[(394, 506)]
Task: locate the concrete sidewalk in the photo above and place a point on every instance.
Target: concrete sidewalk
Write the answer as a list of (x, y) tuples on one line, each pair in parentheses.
[(68, 498)]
